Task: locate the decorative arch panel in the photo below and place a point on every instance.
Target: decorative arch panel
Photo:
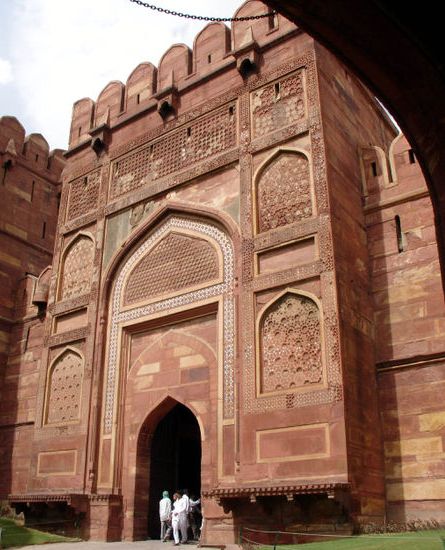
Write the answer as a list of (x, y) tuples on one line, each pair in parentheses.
[(213, 244), (64, 388), (77, 268), (284, 191), (291, 349), (177, 262)]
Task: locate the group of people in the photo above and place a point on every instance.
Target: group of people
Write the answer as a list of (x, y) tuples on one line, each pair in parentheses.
[(184, 514)]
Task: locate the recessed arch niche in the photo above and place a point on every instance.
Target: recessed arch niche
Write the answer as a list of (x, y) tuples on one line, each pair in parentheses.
[(155, 306), (283, 189), (290, 353)]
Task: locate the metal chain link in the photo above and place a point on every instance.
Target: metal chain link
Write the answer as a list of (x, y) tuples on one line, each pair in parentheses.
[(201, 17)]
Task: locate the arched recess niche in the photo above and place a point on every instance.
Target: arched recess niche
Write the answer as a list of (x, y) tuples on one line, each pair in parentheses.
[(124, 316), (63, 395), (295, 361), (77, 267), (283, 189)]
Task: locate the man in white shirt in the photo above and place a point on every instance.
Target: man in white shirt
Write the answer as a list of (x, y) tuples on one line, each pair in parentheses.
[(165, 509), (184, 515)]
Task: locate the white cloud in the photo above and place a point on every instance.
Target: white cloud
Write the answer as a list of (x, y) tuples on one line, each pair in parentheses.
[(5, 71), (69, 50)]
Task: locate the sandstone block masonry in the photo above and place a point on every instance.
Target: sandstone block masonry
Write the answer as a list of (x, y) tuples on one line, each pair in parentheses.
[(30, 186), (245, 301)]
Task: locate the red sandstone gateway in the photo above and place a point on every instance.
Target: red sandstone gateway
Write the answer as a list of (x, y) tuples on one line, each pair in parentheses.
[(244, 300)]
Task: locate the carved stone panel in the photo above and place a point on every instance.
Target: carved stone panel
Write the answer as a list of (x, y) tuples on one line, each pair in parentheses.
[(290, 344), (177, 262), (83, 195), (284, 191), (64, 388), (278, 104), (77, 268), (205, 137)]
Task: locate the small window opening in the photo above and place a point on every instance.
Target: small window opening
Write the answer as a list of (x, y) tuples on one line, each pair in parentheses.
[(85, 181), (6, 166), (189, 131), (400, 239), (277, 90), (37, 157), (33, 184), (411, 157), (79, 131), (151, 150), (43, 230), (209, 58), (231, 110), (374, 169), (138, 99)]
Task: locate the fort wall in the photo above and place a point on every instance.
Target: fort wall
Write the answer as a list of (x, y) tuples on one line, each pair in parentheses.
[(241, 234)]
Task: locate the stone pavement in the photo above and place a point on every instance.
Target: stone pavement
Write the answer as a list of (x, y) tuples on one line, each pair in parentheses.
[(93, 545)]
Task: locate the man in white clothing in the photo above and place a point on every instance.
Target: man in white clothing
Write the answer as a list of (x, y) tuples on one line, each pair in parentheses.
[(184, 515), (178, 506), (165, 510)]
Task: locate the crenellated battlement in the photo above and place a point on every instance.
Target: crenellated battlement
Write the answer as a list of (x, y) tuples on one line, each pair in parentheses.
[(383, 171), (30, 150), (215, 47)]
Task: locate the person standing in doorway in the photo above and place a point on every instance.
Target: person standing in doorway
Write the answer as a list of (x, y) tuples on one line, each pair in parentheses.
[(195, 518), (184, 516), (165, 512), (178, 506)]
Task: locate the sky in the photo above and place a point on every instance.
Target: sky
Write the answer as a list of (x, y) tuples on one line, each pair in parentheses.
[(54, 52)]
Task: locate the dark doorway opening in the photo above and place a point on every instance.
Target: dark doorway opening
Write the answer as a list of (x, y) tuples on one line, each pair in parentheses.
[(175, 460)]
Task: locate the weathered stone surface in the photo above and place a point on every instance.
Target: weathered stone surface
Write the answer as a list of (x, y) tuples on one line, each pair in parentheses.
[(229, 256)]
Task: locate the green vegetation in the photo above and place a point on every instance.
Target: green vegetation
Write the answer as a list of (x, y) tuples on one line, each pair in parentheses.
[(16, 535), (420, 540)]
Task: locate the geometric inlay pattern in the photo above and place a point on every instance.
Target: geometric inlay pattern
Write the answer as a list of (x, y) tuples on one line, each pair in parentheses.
[(77, 268), (225, 289), (278, 104), (64, 389), (177, 262), (180, 148), (284, 191), (84, 193), (291, 356)]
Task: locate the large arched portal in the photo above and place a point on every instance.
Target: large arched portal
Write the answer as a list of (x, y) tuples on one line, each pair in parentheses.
[(175, 460), (169, 382)]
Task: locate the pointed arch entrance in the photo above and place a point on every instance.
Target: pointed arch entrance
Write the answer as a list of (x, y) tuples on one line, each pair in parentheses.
[(170, 336), (168, 457), (175, 460)]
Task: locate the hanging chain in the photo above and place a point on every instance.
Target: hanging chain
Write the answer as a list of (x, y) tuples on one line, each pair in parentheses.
[(201, 17)]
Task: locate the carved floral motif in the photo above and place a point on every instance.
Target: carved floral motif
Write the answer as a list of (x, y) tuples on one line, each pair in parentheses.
[(64, 389), (278, 104), (284, 191), (77, 268), (185, 146), (291, 354), (177, 262), (83, 195)]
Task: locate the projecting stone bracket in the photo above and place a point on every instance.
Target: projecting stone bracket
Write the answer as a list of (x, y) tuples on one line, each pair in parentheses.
[(247, 58), (100, 138), (167, 101)]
